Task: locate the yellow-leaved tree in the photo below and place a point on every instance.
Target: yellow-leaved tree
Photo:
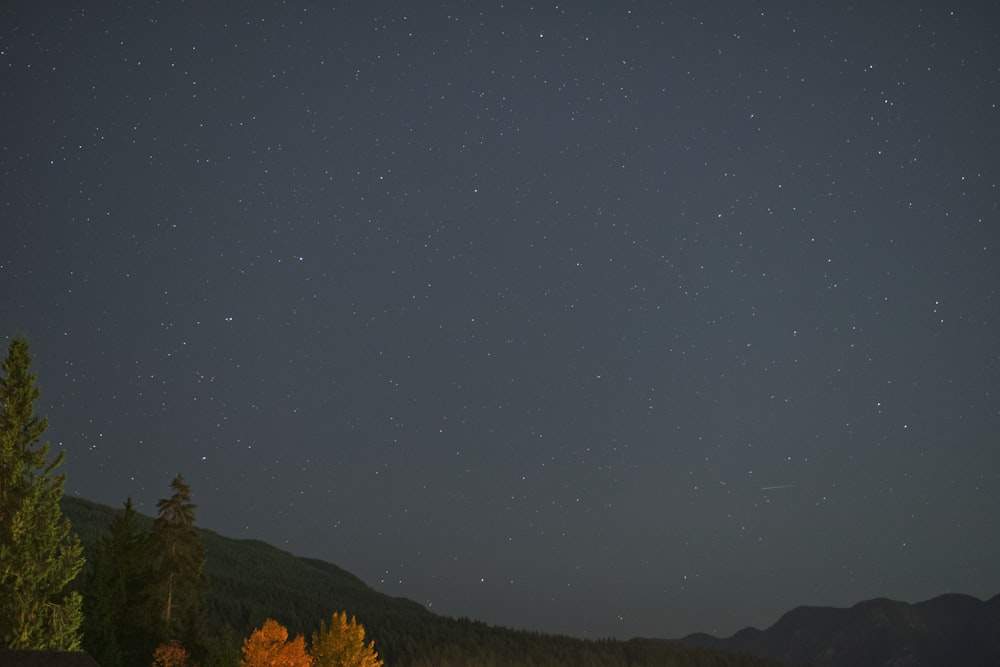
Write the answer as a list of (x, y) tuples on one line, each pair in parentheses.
[(268, 646), (342, 644)]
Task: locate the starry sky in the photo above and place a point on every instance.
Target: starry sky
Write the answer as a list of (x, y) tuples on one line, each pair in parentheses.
[(598, 318)]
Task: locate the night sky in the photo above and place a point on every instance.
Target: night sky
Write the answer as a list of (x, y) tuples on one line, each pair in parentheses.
[(604, 318)]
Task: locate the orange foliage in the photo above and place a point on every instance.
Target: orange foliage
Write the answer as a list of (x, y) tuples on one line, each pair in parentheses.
[(172, 654), (268, 646)]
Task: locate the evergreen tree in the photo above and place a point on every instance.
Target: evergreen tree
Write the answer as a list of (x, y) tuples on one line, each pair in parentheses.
[(342, 644), (175, 581), (223, 649), (39, 554), (108, 628)]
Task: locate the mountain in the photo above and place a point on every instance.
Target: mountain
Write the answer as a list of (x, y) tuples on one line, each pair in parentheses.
[(250, 581), (944, 631)]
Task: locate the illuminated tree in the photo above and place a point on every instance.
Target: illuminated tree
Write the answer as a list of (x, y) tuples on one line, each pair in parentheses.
[(39, 554), (172, 654), (342, 644), (268, 646)]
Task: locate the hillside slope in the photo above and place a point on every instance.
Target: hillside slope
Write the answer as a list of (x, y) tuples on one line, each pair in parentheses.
[(250, 581)]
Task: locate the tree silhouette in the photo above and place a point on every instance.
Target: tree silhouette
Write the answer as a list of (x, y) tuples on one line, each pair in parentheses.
[(110, 595), (175, 580)]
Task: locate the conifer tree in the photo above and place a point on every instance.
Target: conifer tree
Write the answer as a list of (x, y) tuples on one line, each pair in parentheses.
[(342, 644), (108, 628), (39, 554), (175, 581)]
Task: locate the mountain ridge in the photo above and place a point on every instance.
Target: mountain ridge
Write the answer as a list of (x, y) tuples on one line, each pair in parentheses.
[(949, 629), (252, 580)]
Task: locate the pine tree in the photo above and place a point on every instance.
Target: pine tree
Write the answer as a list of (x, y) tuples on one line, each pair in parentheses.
[(342, 644), (39, 554), (175, 581), (110, 594)]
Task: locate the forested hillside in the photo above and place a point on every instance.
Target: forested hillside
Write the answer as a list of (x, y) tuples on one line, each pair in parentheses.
[(250, 581)]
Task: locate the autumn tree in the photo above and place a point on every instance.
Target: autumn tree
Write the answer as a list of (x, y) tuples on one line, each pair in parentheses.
[(269, 646), (172, 654), (342, 644), (39, 554), (175, 582), (111, 592)]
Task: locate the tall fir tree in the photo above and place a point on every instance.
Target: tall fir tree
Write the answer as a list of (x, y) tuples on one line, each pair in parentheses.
[(109, 632), (39, 554), (175, 581)]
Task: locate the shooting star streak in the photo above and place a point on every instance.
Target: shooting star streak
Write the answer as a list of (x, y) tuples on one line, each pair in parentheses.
[(779, 486)]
